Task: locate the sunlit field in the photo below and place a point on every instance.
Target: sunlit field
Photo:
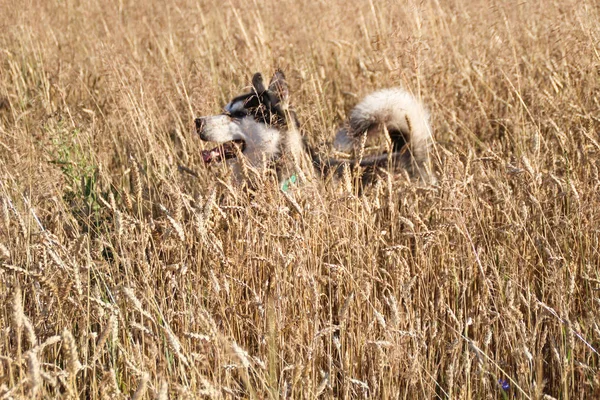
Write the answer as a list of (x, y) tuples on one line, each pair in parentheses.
[(129, 269)]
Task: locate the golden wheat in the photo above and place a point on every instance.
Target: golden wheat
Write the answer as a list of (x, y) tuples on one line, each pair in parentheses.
[(130, 269)]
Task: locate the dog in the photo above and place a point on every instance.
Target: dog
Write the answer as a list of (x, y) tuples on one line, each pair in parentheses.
[(262, 126)]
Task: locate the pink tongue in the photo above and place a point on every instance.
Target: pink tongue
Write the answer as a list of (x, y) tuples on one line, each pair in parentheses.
[(209, 156)]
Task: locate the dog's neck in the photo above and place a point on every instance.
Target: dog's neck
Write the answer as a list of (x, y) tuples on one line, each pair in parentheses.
[(293, 164)]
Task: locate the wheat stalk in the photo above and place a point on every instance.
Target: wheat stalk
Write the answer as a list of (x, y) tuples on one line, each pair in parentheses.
[(142, 387)]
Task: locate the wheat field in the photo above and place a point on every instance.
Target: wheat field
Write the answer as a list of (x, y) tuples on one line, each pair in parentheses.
[(128, 269)]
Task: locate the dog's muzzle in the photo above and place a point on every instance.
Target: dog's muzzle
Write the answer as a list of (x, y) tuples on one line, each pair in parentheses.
[(200, 125), (224, 151)]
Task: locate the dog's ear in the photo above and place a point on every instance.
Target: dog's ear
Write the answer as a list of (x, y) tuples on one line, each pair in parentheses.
[(257, 83), (279, 86)]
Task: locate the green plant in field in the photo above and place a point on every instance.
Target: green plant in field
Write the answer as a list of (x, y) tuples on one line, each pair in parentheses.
[(68, 151)]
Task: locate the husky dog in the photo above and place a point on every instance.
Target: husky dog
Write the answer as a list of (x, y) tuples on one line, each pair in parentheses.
[(263, 127)]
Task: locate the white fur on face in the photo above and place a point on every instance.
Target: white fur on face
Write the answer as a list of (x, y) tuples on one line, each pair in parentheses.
[(221, 129), (261, 141)]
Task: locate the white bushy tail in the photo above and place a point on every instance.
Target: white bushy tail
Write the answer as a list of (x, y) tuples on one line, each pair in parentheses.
[(407, 123)]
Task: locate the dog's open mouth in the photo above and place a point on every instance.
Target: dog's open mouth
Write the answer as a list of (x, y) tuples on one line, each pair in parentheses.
[(224, 151)]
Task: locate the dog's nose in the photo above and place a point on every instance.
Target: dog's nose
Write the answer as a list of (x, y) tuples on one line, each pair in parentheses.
[(200, 122)]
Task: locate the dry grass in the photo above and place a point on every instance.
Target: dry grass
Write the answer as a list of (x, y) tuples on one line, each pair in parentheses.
[(122, 276)]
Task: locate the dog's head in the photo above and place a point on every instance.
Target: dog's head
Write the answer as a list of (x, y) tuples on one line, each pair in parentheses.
[(250, 123)]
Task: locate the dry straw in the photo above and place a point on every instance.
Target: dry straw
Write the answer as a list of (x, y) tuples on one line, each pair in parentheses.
[(142, 387), (35, 379), (71, 354), (482, 285)]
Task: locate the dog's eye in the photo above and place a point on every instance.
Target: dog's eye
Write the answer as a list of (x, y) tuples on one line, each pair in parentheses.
[(238, 114)]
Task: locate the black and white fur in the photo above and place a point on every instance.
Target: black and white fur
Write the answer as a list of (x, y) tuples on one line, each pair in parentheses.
[(263, 127), (407, 124)]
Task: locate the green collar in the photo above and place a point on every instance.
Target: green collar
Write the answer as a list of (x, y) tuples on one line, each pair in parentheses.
[(285, 186)]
